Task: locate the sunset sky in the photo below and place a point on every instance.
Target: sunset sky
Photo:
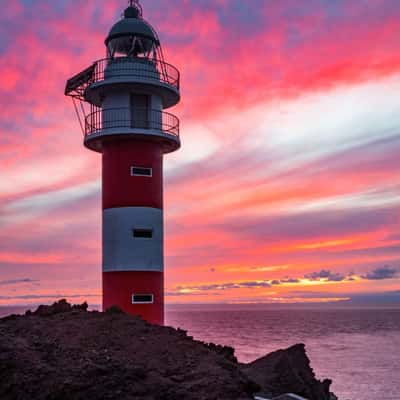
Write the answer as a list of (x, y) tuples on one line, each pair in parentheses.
[(287, 186)]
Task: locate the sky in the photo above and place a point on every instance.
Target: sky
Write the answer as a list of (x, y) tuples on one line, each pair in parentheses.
[(287, 185)]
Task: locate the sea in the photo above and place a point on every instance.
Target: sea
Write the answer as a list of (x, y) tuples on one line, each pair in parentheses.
[(358, 348)]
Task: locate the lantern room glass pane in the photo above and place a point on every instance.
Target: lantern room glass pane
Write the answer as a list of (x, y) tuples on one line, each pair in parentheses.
[(130, 46)]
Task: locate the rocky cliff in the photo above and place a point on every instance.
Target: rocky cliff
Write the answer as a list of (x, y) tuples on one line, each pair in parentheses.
[(65, 352)]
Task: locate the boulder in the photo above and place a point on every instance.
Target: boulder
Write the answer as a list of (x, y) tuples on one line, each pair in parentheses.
[(287, 371)]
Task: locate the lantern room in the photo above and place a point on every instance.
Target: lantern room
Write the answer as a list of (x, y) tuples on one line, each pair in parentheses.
[(132, 36)]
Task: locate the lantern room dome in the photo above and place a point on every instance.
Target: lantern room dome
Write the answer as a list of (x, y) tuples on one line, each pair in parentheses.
[(132, 24)]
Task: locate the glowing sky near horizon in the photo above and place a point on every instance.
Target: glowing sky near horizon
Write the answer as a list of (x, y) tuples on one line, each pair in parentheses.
[(287, 186)]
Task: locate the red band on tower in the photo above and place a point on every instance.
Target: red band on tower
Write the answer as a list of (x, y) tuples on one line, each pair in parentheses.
[(123, 189), (118, 288)]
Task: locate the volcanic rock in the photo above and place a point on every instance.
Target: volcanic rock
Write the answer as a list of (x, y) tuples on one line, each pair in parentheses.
[(287, 371), (65, 352)]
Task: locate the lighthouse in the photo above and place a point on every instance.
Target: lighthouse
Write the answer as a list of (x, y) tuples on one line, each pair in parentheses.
[(121, 102)]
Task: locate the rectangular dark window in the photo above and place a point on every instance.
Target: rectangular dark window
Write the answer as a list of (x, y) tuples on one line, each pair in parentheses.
[(143, 233), (141, 171), (142, 299)]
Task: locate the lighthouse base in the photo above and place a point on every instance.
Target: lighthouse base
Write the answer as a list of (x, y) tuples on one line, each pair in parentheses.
[(137, 293)]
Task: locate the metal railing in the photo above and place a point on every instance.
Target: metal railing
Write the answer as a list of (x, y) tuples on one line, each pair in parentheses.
[(140, 68), (131, 118)]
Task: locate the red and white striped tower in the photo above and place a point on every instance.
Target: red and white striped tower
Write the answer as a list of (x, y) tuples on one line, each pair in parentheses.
[(127, 93)]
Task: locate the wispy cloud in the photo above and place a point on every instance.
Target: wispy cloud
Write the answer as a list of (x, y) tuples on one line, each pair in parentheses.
[(385, 272), (225, 286), (326, 275), (17, 281), (45, 296), (323, 276), (178, 293)]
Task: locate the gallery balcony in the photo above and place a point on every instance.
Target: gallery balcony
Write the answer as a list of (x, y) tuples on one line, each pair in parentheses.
[(137, 123)]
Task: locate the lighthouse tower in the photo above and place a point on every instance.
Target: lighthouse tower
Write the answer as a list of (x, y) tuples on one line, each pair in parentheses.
[(122, 99)]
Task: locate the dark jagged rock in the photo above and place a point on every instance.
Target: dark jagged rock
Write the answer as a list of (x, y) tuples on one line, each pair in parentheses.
[(58, 307), (114, 310), (64, 352), (81, 307), (226, 351), (288, 371)]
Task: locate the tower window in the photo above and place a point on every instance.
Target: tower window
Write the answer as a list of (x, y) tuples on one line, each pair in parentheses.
[(143, 233), (141, 171), (142, 299)]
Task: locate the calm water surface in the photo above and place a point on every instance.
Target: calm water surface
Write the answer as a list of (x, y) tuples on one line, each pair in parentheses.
[(358, 349)]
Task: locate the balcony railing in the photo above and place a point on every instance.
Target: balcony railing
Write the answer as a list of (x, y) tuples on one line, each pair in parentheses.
[(139, 68), (135, 118)]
